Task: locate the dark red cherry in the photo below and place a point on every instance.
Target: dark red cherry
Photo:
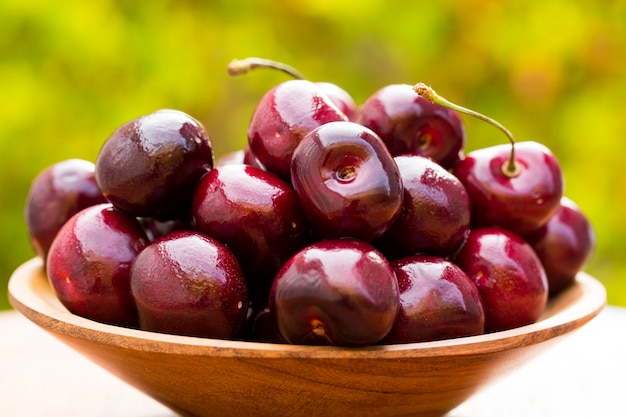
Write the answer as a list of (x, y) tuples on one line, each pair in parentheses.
[(89, 264), (516, 186), (435, 215), (335, 292), (521, 202), (56, 194), (509, 275), (347, 181), (283, 116), (564, 245), (151, 165), (408, 123), (437, 301), (189, 284), (256, 214)]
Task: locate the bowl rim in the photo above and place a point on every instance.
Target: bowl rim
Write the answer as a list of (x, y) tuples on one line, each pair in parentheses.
[(31, 294)]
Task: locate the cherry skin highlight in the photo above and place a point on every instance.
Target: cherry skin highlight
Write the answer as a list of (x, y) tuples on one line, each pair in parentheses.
[(89, 264), (335, 292), (189, 284), (283, 116), (522, 202), (435, 215), (508, 274), (150, 166), (437, 301), (348, 183)]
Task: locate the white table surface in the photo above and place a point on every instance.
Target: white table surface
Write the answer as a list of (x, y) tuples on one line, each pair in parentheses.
[(583, 375)]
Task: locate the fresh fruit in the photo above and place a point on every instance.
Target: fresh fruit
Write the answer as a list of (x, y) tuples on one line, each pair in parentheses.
[(564, 245), (408, 123), (522, 202), (189, 284), (348, 183), (335, 292), (56, 194), (437, 301), (508, 274), (435, 215), (334, 225), (517, 186), (89, 264), (256, 214), (151, 165), (283, 116)]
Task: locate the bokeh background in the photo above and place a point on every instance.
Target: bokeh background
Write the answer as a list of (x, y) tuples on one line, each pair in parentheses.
[(552, 71)]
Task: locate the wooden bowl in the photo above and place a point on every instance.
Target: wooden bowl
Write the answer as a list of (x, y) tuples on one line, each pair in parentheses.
[(207, 377)]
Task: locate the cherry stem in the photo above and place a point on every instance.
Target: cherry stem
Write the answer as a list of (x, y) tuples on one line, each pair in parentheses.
[(510, 169), (243, 66)]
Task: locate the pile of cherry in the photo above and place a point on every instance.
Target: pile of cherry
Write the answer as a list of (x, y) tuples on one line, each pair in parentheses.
[(337, 224)]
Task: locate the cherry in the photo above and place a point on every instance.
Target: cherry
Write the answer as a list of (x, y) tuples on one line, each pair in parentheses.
[(411, 124), (189, 284), (517, 186), (342, 99), (508, 274), (437, 301), (348, 183), (335, 292), (283, 116), (256, 214), (56, 194), (435, 215), (564, 245), (151, 165), (89, 264)]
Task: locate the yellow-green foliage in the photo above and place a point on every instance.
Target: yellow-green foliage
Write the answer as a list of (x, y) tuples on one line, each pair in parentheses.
[(551, 71)]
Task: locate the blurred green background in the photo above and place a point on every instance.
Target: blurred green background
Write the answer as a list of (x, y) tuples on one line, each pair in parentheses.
[(552, 71)]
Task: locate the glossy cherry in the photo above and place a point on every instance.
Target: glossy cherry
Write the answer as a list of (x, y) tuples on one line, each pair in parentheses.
[(509, 275), (56, 194), (89, 264), (256, 214), (437, 301), (151, 165), (517, 186), (564, 245), (435, 215), (335, 292), (522, 202), (408, 123), (283, 116), (189, 284), (347, 181)]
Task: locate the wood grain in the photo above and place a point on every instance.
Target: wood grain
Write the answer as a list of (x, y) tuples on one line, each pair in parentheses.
[(207, 377)]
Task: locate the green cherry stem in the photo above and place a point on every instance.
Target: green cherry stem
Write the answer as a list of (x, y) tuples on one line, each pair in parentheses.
[(243, 66), (510, 169)]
